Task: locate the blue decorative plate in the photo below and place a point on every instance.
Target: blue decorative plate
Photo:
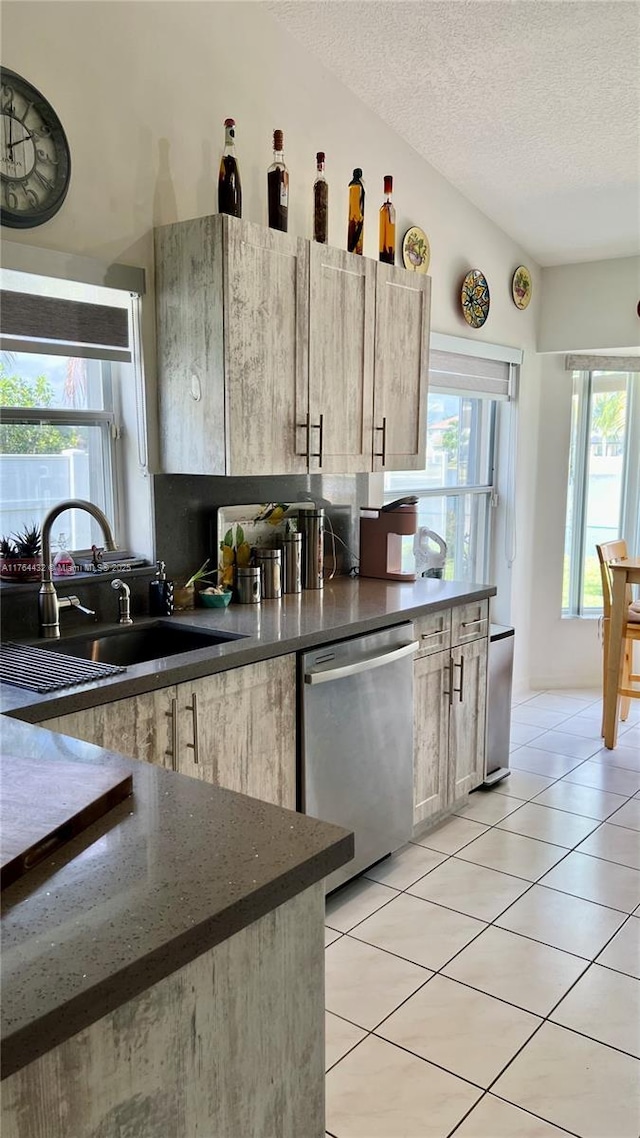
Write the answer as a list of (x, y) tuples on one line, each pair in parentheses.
[(475, 299)]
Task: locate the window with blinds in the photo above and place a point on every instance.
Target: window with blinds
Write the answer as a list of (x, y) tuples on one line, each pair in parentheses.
[(60, 342), (456, 490)]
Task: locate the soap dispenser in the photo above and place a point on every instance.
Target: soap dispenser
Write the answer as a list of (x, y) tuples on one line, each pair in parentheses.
[(160, 593)]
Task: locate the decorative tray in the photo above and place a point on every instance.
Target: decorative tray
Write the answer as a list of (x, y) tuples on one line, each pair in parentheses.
[(241, 528)]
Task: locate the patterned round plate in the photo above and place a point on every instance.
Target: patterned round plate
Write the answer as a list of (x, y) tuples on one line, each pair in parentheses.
[(521, 287), (475, 299), (416, 251)]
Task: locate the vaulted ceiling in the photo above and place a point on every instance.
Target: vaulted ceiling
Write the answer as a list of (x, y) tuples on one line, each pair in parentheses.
[(530, 107)]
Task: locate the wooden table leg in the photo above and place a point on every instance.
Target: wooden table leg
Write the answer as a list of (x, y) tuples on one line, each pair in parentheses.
[(615, 655)]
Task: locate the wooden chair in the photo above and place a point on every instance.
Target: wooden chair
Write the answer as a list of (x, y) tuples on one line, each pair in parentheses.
[(607, 552)]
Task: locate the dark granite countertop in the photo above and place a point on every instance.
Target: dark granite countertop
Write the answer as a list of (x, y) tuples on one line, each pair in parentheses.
[(163, 877), (344, 608)]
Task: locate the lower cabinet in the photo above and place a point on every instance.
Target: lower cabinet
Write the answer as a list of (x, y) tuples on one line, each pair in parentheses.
[(235, 729), (449, 726)]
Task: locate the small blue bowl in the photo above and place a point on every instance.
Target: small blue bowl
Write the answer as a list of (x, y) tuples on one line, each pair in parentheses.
[(215, 600)]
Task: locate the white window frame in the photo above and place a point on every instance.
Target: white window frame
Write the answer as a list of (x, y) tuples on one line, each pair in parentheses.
[(503, 441), (629, 516)]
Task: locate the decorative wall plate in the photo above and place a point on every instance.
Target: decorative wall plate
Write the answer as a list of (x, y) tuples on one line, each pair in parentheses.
[(521, 287), (474, 297), (416, 251)]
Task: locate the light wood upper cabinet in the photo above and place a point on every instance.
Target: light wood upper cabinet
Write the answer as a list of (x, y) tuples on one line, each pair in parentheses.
[(238, 729), (283, 356), (232, 312), (341, 343), (400, 369)]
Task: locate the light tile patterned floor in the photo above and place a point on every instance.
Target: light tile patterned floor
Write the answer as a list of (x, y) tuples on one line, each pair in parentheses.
[(485, 981)]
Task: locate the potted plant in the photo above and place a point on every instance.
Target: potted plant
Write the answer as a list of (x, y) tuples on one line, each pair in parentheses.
[(20, 558)]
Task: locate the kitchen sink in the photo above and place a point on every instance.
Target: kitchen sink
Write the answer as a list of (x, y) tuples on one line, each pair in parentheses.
[(139, 643)]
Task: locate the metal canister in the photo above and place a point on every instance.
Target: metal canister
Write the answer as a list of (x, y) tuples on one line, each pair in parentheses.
[(270, 564), (312, 525), (292, 563), (248, 584)]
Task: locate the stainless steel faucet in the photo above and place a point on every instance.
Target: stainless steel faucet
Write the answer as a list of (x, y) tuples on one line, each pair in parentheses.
[(48, 604), (124, 601)]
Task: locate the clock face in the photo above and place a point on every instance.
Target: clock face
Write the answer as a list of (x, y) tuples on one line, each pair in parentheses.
[(35, 163)]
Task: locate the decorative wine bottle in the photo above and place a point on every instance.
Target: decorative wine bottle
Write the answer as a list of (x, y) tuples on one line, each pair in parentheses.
[(229, 186), (320, 202), (388, 224), (278, 186), (355, 232)]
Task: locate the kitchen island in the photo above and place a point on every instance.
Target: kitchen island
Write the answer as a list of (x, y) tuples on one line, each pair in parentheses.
[(163, 971)]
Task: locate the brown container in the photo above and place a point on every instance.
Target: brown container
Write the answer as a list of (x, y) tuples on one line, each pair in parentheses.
[(381, 533)]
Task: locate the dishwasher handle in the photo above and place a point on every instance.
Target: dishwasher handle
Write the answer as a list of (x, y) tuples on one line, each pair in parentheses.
[(366, 664)]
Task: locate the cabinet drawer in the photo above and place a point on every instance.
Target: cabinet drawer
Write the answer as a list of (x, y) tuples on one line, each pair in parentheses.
[(433, 632), (469, 622)]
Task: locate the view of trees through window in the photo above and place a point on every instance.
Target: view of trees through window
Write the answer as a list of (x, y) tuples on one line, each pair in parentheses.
[(54, 440), (599, 441)]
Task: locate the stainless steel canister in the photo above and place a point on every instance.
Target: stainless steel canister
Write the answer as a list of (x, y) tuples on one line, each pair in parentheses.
[(311, 523), (270, 564), (248, 584), (292, 563)]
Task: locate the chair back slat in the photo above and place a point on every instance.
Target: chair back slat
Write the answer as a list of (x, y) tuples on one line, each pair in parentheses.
[(607, 552)]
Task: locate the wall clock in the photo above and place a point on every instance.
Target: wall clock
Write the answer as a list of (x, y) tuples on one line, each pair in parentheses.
[(35, 162)]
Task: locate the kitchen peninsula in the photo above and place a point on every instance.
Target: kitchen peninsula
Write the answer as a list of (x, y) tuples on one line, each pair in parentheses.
[(165, 961)]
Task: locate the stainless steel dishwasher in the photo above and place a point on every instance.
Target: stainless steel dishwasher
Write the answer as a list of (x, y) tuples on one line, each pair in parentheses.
[(357, 741)]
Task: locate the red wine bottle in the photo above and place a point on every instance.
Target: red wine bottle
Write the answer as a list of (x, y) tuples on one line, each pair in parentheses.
[(278, 186), (229, 185)]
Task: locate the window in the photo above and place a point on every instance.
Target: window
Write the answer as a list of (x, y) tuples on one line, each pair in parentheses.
[(456, 490), (65, 353), (603, 492)]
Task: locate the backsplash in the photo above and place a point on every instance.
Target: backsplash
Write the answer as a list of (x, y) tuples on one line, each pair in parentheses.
[(185, 508)]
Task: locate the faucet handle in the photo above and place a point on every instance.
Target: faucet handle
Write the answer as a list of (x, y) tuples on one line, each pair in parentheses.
[(74, 602)]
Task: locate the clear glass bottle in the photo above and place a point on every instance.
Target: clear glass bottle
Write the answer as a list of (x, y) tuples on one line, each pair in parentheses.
[(320, 202), (387, 247), (229, 185), (355, 231), (278, 186), (63, 563)]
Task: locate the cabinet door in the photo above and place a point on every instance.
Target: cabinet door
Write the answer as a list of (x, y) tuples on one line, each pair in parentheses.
[(401, 369), (341, 341), (467, 720), (266, 299), (238, 730), (189, 339), (140, 728), (431, 677)]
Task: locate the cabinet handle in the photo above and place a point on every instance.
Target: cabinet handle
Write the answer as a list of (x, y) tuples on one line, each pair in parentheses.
[(472, 623), (459, 690), (449, 668), (306, 426), (195, 746), (383, 453), (173, 716), (430, 635), (318, 427)]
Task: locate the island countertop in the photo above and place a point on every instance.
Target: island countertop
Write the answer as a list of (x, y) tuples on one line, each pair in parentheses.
[(164, 876), (298, 621)]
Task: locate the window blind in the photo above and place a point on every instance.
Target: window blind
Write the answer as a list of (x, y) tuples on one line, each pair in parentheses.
[(602, 363), (50, 325), (469, 375)]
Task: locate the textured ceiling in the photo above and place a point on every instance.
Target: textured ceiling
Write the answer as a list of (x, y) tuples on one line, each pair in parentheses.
[(530, 107)]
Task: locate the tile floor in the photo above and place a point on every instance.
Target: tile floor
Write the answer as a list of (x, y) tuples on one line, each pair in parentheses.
[(485, 981)]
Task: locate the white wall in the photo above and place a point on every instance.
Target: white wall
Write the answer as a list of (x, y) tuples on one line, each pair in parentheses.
[(590, 306), (142, 90)]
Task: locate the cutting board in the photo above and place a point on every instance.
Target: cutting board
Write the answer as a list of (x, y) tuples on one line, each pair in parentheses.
[(45, 804)]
